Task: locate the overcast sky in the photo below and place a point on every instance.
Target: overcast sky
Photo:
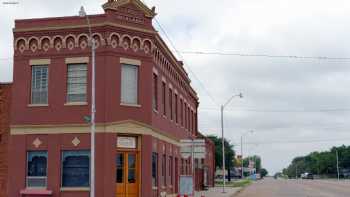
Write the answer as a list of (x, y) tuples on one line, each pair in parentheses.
[(285, 99)]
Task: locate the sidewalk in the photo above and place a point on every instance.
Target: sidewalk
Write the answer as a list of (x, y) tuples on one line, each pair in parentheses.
[(217, 192)]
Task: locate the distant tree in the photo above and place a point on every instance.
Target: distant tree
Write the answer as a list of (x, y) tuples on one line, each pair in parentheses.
[(229, 153), (263, 172), (321, 163)]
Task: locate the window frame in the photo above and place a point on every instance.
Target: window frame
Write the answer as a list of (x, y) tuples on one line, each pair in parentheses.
[(170, 94), (155, 178), (27, 169), (164, 170), (86, 83), (155, 101), (62, 169), (164, 98), (47, 84), (128, 103), (176, 109)]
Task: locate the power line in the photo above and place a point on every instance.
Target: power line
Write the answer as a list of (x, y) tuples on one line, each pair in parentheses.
[(264, 55), (282, 110), (296, 141), (185, 63)]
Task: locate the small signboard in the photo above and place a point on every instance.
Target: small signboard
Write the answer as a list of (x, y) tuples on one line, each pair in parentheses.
[(186, 185), (126, 142), (198, 146)]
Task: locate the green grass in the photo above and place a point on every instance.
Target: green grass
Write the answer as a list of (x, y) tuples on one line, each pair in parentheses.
[(239, 183)]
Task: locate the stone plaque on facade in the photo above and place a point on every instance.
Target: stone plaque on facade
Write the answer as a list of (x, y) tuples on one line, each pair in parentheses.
[(126, 142)]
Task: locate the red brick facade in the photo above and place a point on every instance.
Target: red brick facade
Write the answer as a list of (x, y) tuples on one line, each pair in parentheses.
[(124, 35), (5, 92)]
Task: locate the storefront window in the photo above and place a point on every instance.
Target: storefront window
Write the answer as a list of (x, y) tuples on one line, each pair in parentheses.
[(76, 169), (37, 169), (154, 169)]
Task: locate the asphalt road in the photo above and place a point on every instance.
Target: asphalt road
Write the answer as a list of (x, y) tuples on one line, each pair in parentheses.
[(297, 188)]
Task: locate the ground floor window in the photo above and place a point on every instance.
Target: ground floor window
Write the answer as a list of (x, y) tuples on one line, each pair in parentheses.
[(75, 168), (154, 169), (37, 169)]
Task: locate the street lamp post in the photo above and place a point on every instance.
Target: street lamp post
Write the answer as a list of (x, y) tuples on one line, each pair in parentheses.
[(336, 151), (223, 139), (82, 13), (251, 131)]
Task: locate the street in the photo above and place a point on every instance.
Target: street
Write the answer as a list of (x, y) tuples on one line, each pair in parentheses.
[(297, 188)]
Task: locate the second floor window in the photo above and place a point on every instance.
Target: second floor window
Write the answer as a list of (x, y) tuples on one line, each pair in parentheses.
[(37, 169), (163, 98), (171, 104), (40, 80), (76, 83), (155, 92), (176, 110), (129, 84), (181, 112)]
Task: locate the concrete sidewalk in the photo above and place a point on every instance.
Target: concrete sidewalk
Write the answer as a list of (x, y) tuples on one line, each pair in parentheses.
[(217, 192)]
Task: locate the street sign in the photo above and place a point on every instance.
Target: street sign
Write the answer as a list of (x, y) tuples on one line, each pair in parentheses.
[(198, 148), (186, 185)]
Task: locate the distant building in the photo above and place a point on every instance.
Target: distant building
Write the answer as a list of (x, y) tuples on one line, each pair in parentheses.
[(205, 168), (5, 94), (145, 106)]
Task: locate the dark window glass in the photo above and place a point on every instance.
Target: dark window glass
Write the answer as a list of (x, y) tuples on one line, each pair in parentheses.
[(36, 168), (154, 169), (181, 112), (171, 103), (131, 168), (171, 169), (164, 169), (176, 110), (76, 169), (155, 91), (120, 168), (164, 98)]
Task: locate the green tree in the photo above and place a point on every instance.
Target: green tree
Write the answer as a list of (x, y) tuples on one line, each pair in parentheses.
[(229, 153), (264, 172)]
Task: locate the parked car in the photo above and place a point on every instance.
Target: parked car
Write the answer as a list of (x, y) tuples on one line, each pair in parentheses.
[(307, 176)]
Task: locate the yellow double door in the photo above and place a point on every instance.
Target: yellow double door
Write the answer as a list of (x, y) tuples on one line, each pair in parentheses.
[(127, 174)]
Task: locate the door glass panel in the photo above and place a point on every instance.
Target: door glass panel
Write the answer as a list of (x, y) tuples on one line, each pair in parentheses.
[(131, 176), (131, 168), (131, 160), (120, 168)]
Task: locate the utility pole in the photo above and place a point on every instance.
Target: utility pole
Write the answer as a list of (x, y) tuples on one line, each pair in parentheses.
[(251, 131), (242, 163), (223, 139), (82, 13), (223, 148), (336, 151)]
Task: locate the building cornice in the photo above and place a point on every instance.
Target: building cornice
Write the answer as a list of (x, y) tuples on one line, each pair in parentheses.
[(127, 126), (65, 27)]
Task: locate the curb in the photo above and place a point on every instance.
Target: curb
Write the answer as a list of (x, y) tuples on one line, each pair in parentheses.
[(240, 190)]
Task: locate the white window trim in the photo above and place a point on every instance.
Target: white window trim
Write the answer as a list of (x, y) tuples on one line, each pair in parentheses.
[(134, 62), (77, 60), (130, 105), (39, 62), (76, 104)]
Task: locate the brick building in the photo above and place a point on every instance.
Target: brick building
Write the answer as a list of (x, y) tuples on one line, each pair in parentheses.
[(5, 93), (145, 105), (205, 168)]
